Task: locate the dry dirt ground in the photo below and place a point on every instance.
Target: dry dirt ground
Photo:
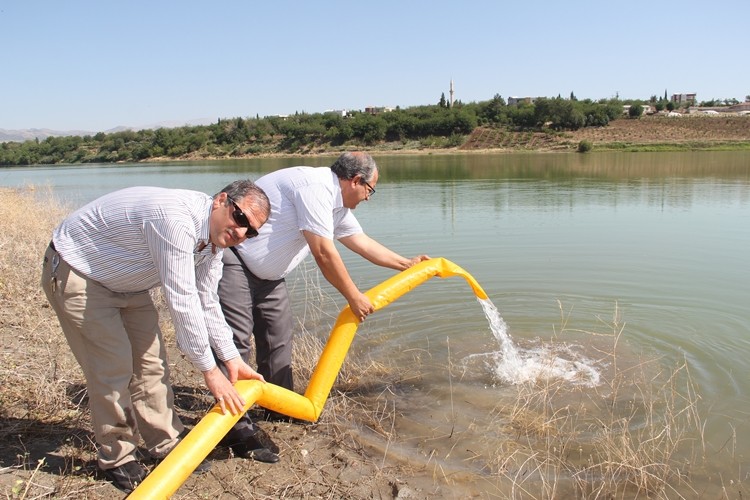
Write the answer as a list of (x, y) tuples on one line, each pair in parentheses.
[(668, 130), (702, 131), (46, 444), (47, 450)]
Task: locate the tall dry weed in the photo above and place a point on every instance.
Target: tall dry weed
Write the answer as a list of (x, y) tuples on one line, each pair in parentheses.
[(35, 368)]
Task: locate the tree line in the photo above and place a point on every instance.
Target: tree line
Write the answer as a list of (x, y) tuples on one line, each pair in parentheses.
[(431, 125)]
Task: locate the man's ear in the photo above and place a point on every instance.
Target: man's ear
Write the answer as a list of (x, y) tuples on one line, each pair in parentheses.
[(219, 200)]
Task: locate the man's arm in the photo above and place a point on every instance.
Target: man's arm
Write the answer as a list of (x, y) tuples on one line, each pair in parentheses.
[(378, 254), (207, 277), (187, 289), (332, 266)]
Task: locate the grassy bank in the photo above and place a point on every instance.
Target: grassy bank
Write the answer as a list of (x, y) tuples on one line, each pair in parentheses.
[(629, 437)]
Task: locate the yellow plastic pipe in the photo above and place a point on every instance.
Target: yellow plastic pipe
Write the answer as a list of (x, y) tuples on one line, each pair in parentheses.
[(169, 475)]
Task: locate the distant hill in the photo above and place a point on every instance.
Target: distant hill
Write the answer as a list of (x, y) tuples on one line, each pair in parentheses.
[(37, 133), (42, 133)]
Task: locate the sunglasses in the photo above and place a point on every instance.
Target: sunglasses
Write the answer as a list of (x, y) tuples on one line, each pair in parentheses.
[(241, 219)]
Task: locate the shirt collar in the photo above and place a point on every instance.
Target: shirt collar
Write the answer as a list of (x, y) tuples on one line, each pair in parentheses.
[(338, 201), (203, 230)]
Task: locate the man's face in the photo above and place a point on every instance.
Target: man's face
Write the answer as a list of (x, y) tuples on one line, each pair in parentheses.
[(355, 190), (225, 228)]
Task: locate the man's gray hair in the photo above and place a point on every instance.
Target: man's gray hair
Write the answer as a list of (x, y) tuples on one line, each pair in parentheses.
[(247, 190), (350, 165)]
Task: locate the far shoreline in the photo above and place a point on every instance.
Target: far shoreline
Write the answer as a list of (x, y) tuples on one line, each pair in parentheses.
[(646, 134), (615, 147)]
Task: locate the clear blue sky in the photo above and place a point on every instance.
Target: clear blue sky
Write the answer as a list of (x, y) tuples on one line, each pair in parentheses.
[(94, 65)]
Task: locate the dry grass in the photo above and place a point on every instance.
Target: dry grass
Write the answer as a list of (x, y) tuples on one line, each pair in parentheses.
[(627, 438)]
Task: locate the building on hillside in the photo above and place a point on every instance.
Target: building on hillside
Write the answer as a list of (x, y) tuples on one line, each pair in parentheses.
[(374, 110), (338, 112), (687, 99), (515, 101)]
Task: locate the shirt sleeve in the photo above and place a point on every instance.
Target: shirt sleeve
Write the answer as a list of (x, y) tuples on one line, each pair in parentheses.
[(346, 223), (314, 207), (220, 336), (171, 245)]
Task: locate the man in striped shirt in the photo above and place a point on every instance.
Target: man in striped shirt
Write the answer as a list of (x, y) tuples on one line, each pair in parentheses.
[(310, 208), (98, 270)]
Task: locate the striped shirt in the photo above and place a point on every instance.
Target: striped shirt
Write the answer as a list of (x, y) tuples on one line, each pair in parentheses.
[(139, 238), (302, 199)]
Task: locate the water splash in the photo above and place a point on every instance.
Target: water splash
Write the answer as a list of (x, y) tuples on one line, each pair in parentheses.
[(515, 365)]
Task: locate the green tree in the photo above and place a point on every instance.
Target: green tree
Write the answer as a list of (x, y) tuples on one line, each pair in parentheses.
[(635, 111), (368, 128), (400, 125)]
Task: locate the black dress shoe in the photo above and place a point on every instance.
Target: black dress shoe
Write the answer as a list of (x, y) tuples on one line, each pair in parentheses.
[(258, 446), (260, 454), (261, 439), (127, 476)]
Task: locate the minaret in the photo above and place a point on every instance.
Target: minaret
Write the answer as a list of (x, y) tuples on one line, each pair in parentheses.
[(450, 102)]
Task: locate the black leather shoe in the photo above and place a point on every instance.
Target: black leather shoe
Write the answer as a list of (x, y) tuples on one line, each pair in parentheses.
[(127, 476), (259, 446), (260, 454), (261, 439)]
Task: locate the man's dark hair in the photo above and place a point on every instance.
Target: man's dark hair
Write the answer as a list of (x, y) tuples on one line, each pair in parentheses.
[(246, 189), (350, 165)]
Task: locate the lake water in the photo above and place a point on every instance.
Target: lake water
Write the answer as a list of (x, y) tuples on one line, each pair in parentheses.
[(648, 251)]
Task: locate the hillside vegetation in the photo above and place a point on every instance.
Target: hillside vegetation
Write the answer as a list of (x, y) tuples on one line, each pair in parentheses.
[(546, 125)]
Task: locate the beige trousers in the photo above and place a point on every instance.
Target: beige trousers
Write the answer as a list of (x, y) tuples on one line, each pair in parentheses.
[(116, 339)]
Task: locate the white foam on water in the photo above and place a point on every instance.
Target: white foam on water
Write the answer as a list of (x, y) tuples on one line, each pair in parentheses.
[(515, 365)]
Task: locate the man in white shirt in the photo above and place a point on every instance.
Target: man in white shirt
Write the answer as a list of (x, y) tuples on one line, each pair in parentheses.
[(101, 263), (310, 208)]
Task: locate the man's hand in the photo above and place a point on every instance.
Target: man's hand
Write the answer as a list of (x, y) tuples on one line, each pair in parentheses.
[(223, 389), (239, 370), (416, 260), (361, 306), (224, 392)]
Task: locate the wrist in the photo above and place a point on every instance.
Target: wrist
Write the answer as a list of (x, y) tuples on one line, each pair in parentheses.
[(210, 370)]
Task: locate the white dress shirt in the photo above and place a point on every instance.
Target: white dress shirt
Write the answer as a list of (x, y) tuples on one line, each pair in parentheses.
[(302, 199), (138, 238)]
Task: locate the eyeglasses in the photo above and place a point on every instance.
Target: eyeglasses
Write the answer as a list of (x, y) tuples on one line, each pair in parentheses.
[(241, 219), (372, 189)]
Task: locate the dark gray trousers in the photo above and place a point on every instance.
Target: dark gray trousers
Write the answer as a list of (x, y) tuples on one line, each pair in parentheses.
[(261, 309)]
